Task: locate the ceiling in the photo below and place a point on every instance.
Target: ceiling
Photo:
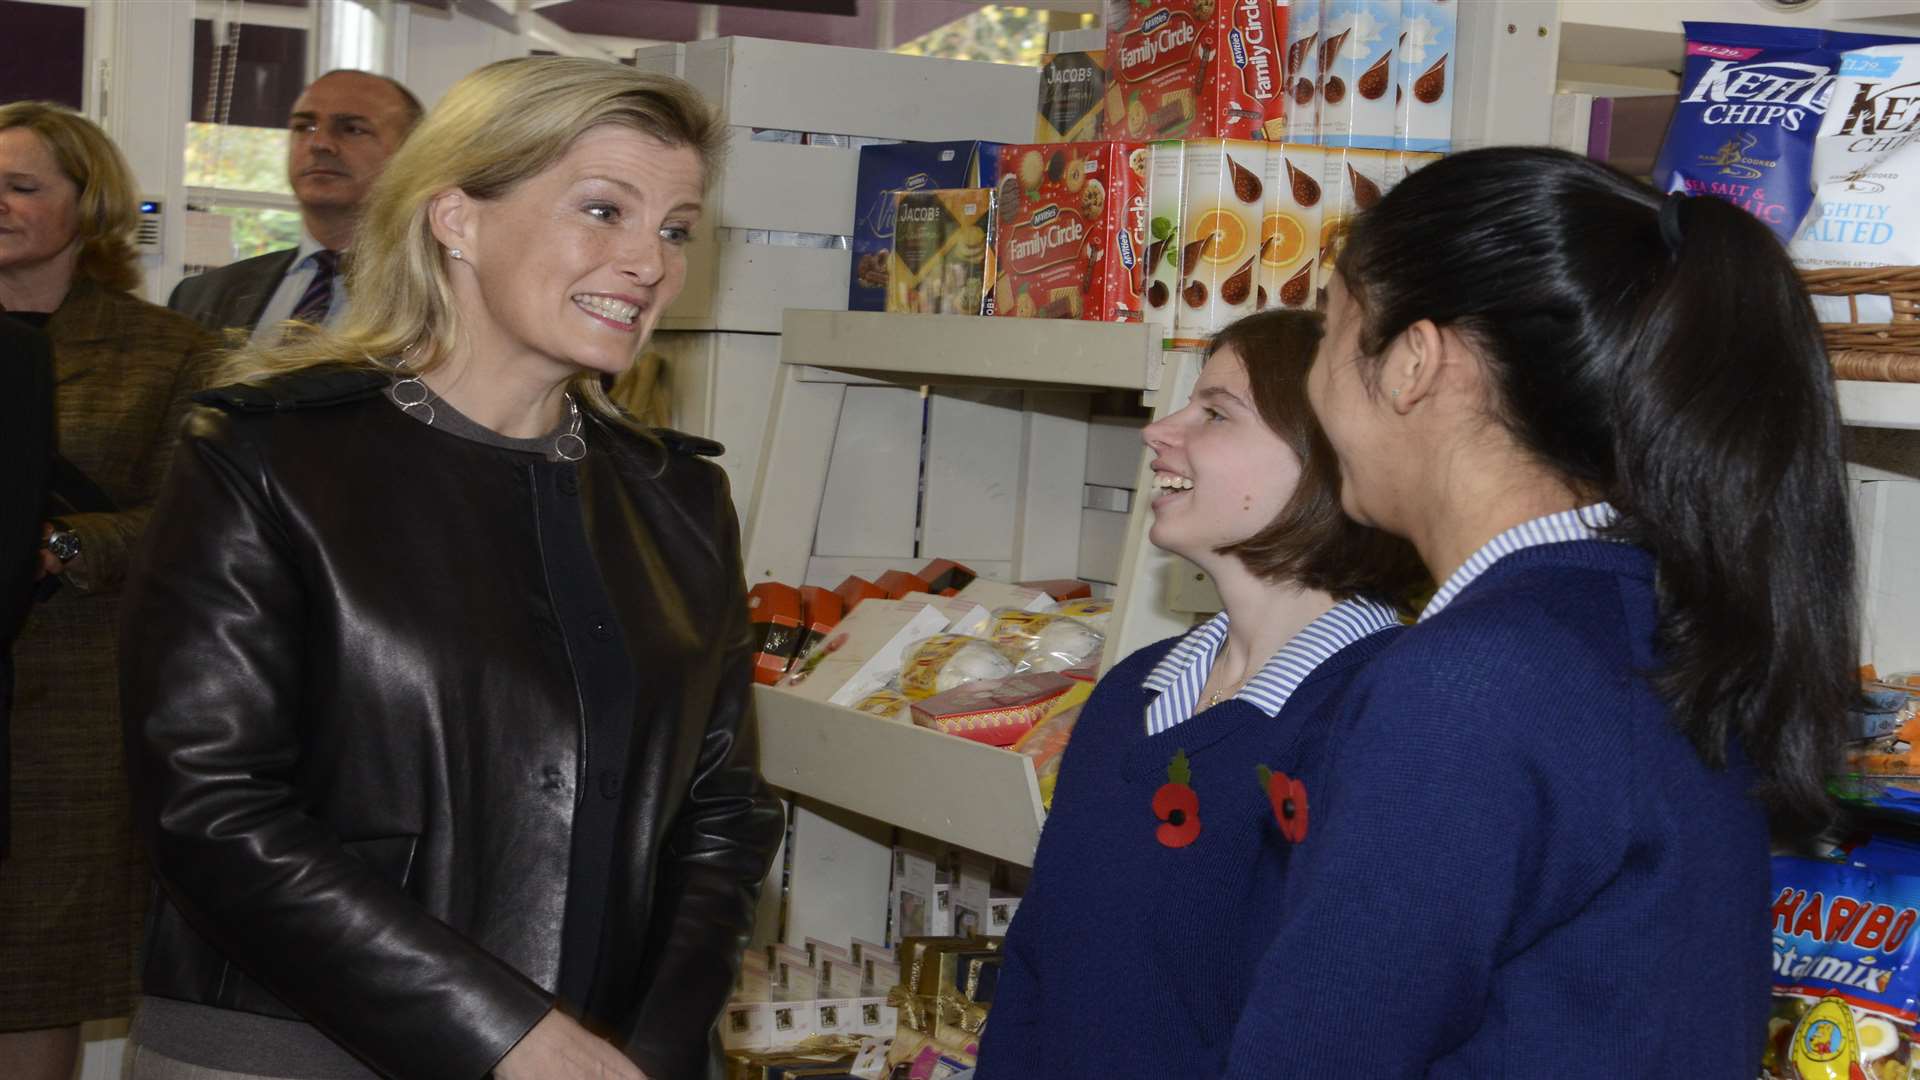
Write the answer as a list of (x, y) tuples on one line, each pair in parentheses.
[(854, 23)]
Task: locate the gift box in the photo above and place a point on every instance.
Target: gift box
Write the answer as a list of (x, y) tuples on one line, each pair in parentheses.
[(773, 612), (1071, 231), (1195, 69), (942, 256), (887, 169)]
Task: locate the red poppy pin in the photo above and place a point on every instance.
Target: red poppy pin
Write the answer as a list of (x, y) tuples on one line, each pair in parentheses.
[(1176, 805), (1289, 799)]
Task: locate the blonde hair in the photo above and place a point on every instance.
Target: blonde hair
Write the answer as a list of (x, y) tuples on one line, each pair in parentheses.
[(501, 125), (108, 208)]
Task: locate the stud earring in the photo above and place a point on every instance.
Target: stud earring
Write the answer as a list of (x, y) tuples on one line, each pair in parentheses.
[(1393, 393), (455, 252)]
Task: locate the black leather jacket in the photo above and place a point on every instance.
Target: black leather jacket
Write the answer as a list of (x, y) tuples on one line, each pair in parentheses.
[(357, 734)]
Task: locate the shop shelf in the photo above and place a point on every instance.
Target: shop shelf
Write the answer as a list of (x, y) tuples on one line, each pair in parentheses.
[(973, 349), (1880, 404), (975, 796)]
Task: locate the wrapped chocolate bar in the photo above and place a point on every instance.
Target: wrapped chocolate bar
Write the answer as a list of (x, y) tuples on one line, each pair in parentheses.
[(946, 662), (995, 713)]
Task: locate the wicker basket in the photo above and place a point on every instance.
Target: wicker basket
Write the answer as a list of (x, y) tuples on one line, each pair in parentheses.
[(1878, 352)]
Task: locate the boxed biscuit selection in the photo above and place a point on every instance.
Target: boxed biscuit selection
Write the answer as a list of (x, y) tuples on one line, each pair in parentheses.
[(1352, 179), (1357, 72), (1166, 179), (1290, 231), (1219, 235), (1073, 96), (887, 168), (1071, 233), (942, 261), (1423, 94), (1302, 85), (1195, 69)]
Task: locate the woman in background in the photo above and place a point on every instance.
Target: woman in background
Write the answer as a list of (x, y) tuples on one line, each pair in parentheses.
[(1152, 897), (437, 675), (1606, 421), (74, 884)]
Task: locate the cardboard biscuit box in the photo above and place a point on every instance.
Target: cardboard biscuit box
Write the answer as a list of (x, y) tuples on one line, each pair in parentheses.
[(885, 169), (1220, 235), (1072, 231), (1359, 38), (1166, 179), (1423, 94), (1073, 97), (1290, 231), (942, 260), (1195, 69), (1303, 72)]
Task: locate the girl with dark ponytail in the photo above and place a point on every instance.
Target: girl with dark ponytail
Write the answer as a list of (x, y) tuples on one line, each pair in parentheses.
[(1606, 422)]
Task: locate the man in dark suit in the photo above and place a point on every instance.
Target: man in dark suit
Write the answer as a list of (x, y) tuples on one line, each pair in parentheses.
[(345, 125), (26, 449)]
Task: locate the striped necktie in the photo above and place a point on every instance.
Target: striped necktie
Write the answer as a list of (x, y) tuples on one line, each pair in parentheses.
[(313, 304)]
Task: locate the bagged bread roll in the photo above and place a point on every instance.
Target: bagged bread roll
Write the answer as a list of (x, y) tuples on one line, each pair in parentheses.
[(946, 661)]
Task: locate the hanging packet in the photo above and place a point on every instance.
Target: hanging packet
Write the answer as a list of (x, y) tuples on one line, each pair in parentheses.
[(1751, 103), (1846, 974), (1866, 165)]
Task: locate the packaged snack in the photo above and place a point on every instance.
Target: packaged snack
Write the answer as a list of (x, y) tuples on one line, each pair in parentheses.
[(1042, 641), (773, 610), (863, 652), (1087, 610), (1000, 913), (820, 611), (1194, 68), (1166, 179), (946, 577), (1073, 95), (1352, 179), (999, 594), (887, 168), (972, 884), (996, 713), (1061, 589), (1072, 229), (856, 589), (948, 661), (1866, 165), (1290, 231), (942, 260), (1356, 77), (898, 583), (1422, 91), (885, 703), (910, 900), (1047, 741), (1303, 71), (963, 616), (1219, 236), (1752, 100), (1846, 985)]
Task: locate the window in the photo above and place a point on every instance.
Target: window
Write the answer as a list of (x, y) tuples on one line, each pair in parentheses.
[(1002, 33), (246, 76), (43, 53)]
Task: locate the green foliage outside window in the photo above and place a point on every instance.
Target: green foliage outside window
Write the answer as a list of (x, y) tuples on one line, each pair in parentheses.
[(245, 159), (1000, 33)]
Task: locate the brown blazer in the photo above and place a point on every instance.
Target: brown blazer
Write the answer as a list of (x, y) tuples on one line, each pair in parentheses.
[(75, 885)]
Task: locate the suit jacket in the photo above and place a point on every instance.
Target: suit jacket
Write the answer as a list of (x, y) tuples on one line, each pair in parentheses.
[(26, 446), (232, 297)]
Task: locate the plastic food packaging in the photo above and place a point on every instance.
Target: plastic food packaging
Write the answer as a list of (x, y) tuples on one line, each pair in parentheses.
[(1094, 613), (1866, 165), (1042, 641), (947, 661), (1047, 740), (886, 703), (998, 712)]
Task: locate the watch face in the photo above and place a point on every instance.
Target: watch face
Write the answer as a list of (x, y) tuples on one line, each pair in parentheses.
[(64, 545)]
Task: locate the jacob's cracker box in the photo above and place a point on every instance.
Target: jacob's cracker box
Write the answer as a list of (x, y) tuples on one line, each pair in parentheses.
[(1290, 231), (942, 257), (1194, 68), (1072, 228), (1073, 96), (886, 169), (1219, 235)]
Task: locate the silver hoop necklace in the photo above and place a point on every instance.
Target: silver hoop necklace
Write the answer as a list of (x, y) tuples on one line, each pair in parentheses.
[(570, 446), (412, 393)]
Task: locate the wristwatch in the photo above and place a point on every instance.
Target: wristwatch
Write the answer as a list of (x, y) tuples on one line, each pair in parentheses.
[(63, 542)]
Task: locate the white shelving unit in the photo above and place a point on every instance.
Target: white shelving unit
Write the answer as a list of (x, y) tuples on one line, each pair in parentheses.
[(1881, 405)]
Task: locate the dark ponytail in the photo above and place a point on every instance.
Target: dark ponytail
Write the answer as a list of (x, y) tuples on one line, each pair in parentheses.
[(1675, 369)]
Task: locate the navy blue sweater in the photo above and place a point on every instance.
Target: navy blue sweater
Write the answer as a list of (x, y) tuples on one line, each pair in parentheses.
[(1515, 866)]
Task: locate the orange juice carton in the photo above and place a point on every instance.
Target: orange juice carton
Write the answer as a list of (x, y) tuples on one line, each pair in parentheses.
[(1166, 180), (1195, 68), (1423, 95), (1073, 97), (1303, 71), (1072, 231), (1357, 76), (941, 262), (1290, 231), (1219, 235)]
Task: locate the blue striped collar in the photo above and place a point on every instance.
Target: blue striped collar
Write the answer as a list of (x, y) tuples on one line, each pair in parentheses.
[(1180, 675), (1584, 523)]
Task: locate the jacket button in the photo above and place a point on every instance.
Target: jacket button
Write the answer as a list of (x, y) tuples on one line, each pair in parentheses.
[(609, 784), (601, 629), (569, 485)]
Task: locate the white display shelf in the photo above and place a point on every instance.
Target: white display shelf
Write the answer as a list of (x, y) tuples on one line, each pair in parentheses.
[(966, 348), (1880, 404), (966, 793)]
